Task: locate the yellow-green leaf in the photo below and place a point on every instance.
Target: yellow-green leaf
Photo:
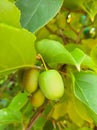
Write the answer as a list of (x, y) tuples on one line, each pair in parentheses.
[(9, 13)]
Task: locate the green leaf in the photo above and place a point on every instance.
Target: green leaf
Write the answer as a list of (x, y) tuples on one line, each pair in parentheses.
[(93, 115), (2, 126), (85, 128), (82, 111), (91, 8), (74, 115), (85, 89), (48, 125), (40, 122), (94, 54), (57, 112), (37, 13), (9, 13), (79, 57), (54, 53), (10, 116), (18, 101), (73, 5), (16, 48), (88, 63)]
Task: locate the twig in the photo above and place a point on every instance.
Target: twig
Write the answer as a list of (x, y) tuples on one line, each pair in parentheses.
[(70, 26), (65, 38), (50, 30), (8, 80), (79, 36), (36, 116), (61, 34)]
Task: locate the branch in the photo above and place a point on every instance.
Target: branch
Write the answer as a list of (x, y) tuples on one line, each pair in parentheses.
[(79, 36), (11, 78), (70, 26), (65, 38), (61, 34), (36, 116)]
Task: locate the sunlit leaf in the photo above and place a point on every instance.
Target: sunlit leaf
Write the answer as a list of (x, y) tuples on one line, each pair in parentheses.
[(79, 56), (82, 111), (73, 5), (73, 115), (85, 128), (88, 63), (16, 48), (9, 13), (57, 53), (57, 111), (91, 8), (94, 54)]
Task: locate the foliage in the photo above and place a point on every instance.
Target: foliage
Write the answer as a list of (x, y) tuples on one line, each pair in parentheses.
[(48, 47)]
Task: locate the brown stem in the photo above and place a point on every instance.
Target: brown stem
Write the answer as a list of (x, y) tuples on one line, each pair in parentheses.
[(50, 30), (60, 34), (64, 37), (95, 128), (36, 116), (79, 36), (70, 26), (9, 79)]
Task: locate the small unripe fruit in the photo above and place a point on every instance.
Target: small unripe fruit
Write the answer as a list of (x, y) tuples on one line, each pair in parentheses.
[(37, 99), (30, 80), (51, 84)]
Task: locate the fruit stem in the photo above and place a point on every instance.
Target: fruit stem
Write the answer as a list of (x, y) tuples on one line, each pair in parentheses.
[(40, 56)]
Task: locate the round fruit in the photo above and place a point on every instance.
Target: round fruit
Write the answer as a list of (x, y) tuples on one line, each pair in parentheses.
[(30, 80), (37, 98), (51, 84)]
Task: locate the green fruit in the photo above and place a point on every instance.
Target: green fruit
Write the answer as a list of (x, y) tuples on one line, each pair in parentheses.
[(37, 98), (51, 84), (30, 80)]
